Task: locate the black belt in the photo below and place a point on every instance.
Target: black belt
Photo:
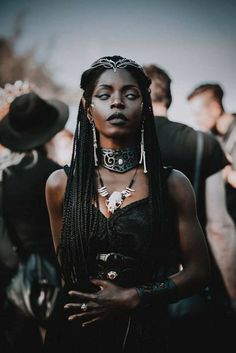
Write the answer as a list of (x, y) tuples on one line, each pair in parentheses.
[(117, 259), (115, 265)]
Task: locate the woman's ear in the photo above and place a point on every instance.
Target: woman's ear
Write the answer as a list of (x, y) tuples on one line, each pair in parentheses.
[(88, 109), (89, 112), (89, 116)]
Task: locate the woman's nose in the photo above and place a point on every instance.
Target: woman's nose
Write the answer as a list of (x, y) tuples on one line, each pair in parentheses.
[(117, 102)]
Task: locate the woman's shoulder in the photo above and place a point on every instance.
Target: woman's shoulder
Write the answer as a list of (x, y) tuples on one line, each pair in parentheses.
[(57, 181), (175, 175), (179, 186)]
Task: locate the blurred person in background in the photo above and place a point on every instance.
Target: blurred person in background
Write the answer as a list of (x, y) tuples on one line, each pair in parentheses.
[(178, 144), (206, 102), (178, 141), (7, 95), (28, 124), (59, 148)]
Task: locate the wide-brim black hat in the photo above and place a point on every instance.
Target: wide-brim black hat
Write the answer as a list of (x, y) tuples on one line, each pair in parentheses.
[(31, 122)]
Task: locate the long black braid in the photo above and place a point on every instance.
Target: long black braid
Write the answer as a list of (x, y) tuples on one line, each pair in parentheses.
[(80, 222)]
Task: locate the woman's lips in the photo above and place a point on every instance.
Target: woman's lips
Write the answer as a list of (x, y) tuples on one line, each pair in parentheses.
[(117, 119)]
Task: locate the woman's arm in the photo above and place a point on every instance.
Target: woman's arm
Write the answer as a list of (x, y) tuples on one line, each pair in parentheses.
[(193, 248), (55, 190), (195, 268)]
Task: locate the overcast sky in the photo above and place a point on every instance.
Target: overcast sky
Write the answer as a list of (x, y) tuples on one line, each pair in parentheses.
[(194, 41)]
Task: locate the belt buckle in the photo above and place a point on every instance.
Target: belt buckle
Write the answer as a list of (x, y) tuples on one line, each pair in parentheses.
[(104, 257)]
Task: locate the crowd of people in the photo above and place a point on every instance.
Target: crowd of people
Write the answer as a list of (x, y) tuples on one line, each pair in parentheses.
[(135, 213)]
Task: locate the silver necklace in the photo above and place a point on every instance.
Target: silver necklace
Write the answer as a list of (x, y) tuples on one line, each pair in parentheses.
[(116, 199)]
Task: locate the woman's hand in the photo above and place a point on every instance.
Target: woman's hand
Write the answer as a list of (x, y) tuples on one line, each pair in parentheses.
[(97, 306)]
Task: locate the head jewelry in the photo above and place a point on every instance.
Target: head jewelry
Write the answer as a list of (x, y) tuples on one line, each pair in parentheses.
[(111, 64)]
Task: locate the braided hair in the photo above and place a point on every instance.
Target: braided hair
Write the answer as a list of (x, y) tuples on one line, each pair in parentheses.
[(80, 222)]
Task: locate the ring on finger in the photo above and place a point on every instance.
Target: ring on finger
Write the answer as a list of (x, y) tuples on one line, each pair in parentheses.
[(84, 307)]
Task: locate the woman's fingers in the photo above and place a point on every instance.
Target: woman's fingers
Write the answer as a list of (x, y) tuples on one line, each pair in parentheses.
[(87, 323), (80, 295), (88, 315), (91, 296), (108, 298), (100, 283), (89, 312), (81, 306)]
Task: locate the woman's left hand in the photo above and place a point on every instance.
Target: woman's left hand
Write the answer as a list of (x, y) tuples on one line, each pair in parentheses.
[(97, 306)]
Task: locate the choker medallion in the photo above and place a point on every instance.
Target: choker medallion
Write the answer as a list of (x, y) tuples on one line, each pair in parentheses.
[(119, 160)]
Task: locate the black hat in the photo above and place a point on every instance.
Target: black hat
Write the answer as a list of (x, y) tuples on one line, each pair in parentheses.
[(31, 122)]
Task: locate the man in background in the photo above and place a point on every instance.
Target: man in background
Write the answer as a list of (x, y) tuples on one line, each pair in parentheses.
[(206, 101), (178, 144)]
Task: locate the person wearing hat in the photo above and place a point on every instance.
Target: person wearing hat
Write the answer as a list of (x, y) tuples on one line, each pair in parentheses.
[(24, 168)]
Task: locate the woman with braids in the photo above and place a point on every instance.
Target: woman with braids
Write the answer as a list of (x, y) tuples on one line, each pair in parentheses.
[(121, 223)]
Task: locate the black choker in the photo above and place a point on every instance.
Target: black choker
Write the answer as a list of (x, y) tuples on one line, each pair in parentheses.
[(119, 160)]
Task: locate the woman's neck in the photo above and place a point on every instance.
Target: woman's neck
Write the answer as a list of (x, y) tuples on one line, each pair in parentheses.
[(118, 143)]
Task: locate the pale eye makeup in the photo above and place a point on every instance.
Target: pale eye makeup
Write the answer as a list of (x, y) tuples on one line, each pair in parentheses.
[(132, 90), (128, 93)]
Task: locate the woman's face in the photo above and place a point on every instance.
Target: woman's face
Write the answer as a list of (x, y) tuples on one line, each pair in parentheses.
[(116, 108)]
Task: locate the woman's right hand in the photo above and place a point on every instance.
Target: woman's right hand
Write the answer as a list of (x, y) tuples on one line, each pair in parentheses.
[(107, 301)]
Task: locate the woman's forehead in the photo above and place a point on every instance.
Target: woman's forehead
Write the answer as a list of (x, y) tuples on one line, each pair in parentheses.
[(119, 77)]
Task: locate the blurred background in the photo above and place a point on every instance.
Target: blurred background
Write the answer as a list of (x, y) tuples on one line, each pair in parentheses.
[(50, 43)]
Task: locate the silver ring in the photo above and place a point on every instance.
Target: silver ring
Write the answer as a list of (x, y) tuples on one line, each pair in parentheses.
[(84, 307)]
